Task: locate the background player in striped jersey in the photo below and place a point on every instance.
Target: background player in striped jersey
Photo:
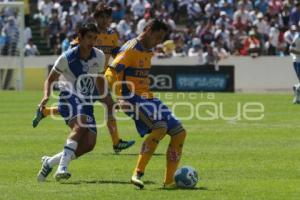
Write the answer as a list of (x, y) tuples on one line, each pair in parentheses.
[(108, 42), (79, 73)]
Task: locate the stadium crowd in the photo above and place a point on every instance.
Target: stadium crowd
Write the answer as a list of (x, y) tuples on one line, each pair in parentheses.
[(210, 29)]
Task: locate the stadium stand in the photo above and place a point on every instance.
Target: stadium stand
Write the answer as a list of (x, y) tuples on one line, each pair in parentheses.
[(199, 27)]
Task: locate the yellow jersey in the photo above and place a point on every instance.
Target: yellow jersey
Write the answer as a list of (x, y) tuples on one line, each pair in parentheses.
[(108, 42), (131, 66)]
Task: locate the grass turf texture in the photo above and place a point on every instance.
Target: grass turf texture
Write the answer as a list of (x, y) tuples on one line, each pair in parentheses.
[(235, 159)]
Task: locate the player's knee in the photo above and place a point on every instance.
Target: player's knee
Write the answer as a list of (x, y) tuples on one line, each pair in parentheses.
[(158, 134), (91, 145), (182, 134), (178, 139), (177, 131), (181, 137)]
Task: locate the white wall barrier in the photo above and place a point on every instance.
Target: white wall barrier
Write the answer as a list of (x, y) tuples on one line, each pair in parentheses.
[(260, 74)]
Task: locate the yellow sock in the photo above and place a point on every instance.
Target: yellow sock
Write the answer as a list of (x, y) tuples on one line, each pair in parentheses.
[(148, 148), (113, 130), (50, 111), (173, 156)]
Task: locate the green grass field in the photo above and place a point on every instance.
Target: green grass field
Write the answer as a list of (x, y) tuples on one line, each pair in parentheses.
[(236, 160)]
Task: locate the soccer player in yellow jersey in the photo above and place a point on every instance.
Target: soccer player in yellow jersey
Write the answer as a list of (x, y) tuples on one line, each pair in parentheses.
[(130, 69), (108, 42)]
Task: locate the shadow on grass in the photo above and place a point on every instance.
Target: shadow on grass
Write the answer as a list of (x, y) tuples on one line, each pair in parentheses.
[(130, 154), (79, 182), (189, 189)]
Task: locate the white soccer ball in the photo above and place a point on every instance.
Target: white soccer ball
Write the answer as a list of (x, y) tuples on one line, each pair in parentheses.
[(186, 177)]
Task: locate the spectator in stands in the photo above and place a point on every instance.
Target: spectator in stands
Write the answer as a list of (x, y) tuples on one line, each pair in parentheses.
[(223, 33), (169, 21), (169, 6), (254, 14), (31, 49), (207, 33), (83, 6), (138, 8), (261, 5), (142, 23), (212, 21), (180, 46), (169, 48), (66, 42), (118, 10), (275, 6), (239, 37), (290, 35), (227, 7), (210, 56), (45, 11), (220, 48), (233, 42), (68, 24), (193, 9), (196, 48), (76, 15), (285, 15), (45, 7), (27, 34), (295, 15), (273, 43), (65, 5), (211, 9), (241, 16), (262, 39), (251, 45), (246, 4), (223, 20), (11, 33), (290, 3), (1, 22), (262, 25), (57, 7), (124, 26), (197, 51), (54, 29)]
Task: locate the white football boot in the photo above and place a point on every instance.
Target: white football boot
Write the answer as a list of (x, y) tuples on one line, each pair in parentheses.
[(45, 170), (62, 174)]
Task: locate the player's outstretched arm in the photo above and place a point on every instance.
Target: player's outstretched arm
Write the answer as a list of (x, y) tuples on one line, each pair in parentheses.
[(53, 76)]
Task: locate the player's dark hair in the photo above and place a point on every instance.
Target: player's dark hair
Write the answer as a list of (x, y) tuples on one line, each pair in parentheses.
[(157, 25), (88, 27), (102, 9)]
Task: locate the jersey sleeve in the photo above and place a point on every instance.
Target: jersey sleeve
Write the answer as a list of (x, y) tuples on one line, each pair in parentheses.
[(122, 61), (61, 64)]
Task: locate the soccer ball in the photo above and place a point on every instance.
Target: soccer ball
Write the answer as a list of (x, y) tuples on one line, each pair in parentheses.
[(186, 177)]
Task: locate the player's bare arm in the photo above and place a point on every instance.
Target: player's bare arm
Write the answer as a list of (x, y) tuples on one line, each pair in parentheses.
[(53, 76)]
